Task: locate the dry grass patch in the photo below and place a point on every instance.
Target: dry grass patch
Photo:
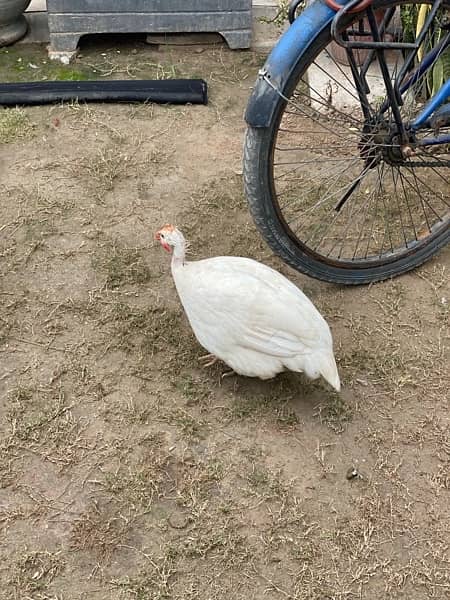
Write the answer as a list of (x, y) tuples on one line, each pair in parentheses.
[(37, 216), (269, 399), (105, 167), (138, 486), (154, 581), (114, 162), (189, 425), (217, 216), (32, 574), (335, 412), (218, 540), (150, 331), (266, 484), (14, 124), (395, 350), (275, 402), (145, 330), (120, 265), (195, 389), (101, 530), (196, 482), (41, 422)]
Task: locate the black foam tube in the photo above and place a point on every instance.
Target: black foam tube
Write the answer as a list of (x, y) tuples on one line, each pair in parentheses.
[(166, 91)]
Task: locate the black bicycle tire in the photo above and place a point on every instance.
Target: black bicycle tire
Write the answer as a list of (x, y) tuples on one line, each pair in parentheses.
[(257, 149)]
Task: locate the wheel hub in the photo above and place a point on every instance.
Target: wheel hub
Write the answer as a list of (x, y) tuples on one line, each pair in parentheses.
[(382, 142), (392, 150)]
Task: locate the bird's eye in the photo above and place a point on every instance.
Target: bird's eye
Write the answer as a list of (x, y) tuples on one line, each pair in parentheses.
[(162, 236)]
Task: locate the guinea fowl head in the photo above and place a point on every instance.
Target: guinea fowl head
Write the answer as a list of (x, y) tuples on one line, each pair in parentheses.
[(171, 237)]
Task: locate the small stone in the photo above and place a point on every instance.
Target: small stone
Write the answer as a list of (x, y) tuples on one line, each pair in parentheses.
[(352, 473)]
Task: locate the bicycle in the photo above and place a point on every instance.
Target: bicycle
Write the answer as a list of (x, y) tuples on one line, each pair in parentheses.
[(347, 183)]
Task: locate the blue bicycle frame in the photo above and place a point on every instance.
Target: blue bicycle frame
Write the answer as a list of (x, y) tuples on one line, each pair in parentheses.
[(283, 59)]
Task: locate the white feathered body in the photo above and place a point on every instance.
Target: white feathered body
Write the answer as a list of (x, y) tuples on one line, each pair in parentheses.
[(254, 319)]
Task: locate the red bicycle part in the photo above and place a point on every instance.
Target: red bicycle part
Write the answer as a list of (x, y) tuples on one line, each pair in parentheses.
[(358, 8)]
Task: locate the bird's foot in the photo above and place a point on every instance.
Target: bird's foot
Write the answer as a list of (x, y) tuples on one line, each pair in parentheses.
[(208, 360)]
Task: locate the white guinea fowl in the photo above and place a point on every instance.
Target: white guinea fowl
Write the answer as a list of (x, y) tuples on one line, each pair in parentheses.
[(250, 316)]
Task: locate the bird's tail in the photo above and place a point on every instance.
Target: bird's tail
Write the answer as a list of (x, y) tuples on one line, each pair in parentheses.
[(322, 363), (328, 370)]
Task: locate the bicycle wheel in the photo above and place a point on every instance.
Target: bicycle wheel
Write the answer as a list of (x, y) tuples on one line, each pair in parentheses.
[(327, 183)]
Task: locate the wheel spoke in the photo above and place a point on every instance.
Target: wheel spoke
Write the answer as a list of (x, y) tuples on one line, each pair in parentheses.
[(397, 197), (405, 195), (421, 197)]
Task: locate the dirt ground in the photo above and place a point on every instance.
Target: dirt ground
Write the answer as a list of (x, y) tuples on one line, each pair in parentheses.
[(126, 470)]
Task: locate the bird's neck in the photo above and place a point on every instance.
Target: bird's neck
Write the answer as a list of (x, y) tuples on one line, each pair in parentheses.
[(178, 255)]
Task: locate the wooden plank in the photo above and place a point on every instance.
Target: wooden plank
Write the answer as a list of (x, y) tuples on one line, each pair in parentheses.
[(146, 6), (156, 22)]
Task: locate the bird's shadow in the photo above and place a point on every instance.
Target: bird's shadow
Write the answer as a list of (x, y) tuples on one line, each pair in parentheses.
[(288, 394)]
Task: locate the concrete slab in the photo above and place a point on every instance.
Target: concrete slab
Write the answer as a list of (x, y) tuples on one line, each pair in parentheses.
[(70, 20), (265, 34), (37, 6), (37, 28)]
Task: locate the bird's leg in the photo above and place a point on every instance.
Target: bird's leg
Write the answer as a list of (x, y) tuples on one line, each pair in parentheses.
[(227, 374), (208, 360)]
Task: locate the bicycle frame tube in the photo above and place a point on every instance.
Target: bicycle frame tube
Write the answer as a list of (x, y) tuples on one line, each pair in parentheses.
[(284, 57), (436, 141), (434, 103), (424, 65)]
